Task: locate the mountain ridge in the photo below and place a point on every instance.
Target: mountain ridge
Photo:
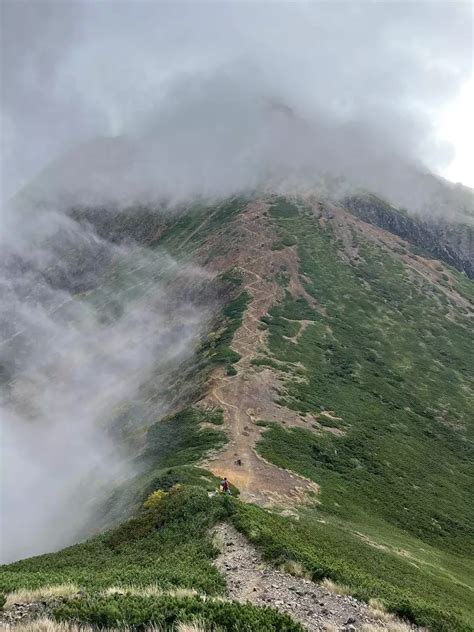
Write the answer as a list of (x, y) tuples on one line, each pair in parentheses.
[(336, 351)]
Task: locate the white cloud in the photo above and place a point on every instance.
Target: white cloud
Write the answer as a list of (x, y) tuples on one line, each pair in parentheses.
[(457, 127), (73, 71)]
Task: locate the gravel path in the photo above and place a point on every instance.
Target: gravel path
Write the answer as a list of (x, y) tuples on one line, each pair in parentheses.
[(250, 579)]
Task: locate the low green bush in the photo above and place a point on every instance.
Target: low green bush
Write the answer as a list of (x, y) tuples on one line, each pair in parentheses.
[(179, 440), (168, 545), (166, 611), (327, 549)]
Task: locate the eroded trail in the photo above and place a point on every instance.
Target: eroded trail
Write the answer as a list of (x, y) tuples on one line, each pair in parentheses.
[(248, 396)]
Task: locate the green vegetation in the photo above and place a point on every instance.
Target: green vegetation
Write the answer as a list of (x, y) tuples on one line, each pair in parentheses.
[(168, 546), (335, 549), (388, 362), (173, 445), (217, 347), (402, 390), (191, 227), (166, 611), (214, 416), (178, 440)]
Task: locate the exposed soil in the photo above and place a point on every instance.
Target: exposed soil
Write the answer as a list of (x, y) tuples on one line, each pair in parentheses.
[(248, 396)]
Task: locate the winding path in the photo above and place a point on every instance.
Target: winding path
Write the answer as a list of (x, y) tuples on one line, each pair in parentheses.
[(249, 395)]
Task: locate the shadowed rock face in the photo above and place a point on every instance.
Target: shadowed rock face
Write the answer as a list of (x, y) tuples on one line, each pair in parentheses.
[(450, 242)]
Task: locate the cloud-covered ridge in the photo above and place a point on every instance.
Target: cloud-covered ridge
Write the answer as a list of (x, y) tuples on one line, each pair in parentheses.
[(224, 96)]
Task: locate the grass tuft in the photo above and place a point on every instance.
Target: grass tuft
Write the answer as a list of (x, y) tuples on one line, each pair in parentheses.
[(295, 568), (334, 587), (45, 593)]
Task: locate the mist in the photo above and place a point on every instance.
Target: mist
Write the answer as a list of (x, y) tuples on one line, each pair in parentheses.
[(216, 136), (85, 323), (145, 100)]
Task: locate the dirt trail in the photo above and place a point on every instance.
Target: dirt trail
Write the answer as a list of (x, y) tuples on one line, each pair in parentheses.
[(249, 395), (249, 578)]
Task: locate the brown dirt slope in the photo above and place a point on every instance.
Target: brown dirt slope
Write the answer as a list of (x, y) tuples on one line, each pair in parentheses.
[(249, 395)]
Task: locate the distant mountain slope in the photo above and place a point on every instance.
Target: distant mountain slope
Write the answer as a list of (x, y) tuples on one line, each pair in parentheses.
[(449, 241), (337, 367)]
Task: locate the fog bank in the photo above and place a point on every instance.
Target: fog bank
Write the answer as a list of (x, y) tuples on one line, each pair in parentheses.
[(210, 98), (84, 323)]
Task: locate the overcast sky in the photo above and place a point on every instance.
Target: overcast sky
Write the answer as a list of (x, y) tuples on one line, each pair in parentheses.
[(72, 71)]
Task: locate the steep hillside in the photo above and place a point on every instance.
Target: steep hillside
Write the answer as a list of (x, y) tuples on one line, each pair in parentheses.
[(332, 384), (452, 242)]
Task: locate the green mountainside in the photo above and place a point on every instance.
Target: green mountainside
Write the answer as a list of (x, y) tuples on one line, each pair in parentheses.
[(366, 343)]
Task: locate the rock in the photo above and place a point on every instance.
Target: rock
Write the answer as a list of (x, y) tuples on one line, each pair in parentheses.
[(444, 241)]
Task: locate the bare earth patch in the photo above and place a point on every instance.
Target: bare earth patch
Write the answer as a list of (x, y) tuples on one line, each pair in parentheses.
[(249, 395)]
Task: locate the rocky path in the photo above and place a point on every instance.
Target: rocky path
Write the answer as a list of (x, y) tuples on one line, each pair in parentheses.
[(250, 579)]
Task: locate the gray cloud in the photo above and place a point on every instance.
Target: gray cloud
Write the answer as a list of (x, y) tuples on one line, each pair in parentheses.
[(84, 325), (380, 71)]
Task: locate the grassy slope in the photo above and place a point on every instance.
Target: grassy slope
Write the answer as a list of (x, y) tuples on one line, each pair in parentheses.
[(399, 374), (166, 545), (177, 554), (393, 368)]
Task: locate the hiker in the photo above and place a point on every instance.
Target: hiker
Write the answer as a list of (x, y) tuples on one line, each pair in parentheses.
[(225, 486), (238, 462)]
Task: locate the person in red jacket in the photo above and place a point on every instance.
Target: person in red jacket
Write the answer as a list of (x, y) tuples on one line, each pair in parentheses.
[(225, 486)]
